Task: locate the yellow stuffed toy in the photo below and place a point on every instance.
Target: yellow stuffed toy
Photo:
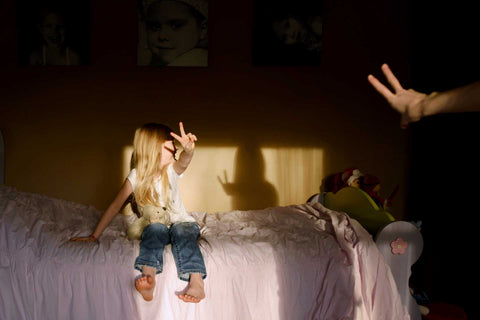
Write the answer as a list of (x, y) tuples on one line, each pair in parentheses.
[(150, 214)]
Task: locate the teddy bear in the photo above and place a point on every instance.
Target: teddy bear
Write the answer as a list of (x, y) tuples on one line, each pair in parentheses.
[(149, 214)]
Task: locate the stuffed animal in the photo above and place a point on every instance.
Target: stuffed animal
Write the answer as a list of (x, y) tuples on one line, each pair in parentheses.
[(352, 177), (150, 214), (371, 185)]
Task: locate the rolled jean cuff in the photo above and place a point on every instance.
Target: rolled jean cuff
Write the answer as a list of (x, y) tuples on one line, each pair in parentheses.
[(185, 275), (139, 264)]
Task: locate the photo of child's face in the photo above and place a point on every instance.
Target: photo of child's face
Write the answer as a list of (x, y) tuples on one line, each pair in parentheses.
[(293, 31), (289, 31), (172, 29), (52, 29)]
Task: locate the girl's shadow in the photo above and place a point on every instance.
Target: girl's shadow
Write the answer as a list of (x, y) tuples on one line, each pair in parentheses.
[(249, 190)]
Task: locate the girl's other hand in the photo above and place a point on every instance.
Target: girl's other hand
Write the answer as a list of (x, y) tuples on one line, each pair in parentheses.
[(186, 140), (84, 239)]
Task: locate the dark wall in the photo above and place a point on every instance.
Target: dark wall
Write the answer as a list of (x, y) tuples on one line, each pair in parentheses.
[(444, 171), (65, 126)]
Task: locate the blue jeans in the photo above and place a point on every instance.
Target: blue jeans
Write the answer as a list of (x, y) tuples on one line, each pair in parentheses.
[(183, 236)]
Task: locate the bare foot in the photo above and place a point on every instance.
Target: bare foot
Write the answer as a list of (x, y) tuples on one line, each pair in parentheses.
[(145, 286), (195, 292)]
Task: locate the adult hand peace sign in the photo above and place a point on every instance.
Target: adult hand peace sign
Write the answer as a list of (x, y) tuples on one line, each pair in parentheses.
[(186, 140), (409, 103)]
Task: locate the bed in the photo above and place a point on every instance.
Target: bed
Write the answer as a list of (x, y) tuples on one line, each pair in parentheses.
[(399, 242), (295, 262), (2, 159)]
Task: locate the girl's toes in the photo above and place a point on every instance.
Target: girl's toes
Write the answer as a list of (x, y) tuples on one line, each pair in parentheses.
[(193, 299)]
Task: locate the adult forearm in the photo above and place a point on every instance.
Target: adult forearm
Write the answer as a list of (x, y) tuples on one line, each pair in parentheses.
[(462, 99)]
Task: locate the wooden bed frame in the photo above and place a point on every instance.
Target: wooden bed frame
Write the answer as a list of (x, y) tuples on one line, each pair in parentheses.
[(400, 242)]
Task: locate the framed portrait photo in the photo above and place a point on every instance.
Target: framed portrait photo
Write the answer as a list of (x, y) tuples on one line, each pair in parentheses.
[(172, 33), (287, 32), (53, 33)]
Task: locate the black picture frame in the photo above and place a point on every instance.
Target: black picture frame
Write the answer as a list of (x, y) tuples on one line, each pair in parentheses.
[(287, 32), (69, 18), (172, 33)]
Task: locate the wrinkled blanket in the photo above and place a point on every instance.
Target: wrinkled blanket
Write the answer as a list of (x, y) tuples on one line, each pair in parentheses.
[(294, 262)]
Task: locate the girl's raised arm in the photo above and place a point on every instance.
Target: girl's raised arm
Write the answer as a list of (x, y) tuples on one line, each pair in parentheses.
[(188, 143), (110, 213)]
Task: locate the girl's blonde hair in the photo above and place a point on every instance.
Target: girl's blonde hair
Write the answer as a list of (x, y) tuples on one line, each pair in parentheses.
[(146, 158)]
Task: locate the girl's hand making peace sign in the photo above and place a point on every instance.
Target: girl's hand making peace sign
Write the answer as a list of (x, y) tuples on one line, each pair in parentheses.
[(186, 140)]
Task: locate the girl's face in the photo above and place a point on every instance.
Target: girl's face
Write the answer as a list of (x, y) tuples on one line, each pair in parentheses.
[(168, 151), (172, 29), (53, 29)]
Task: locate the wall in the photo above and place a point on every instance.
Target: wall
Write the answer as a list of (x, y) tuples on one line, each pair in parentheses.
[(65, 128), (444, 171)]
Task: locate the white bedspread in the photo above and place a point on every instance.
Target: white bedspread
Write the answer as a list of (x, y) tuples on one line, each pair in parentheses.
[(287, 263)]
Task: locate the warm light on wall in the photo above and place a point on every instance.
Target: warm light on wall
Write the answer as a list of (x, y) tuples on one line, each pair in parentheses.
[(222, 179), (296, 172)]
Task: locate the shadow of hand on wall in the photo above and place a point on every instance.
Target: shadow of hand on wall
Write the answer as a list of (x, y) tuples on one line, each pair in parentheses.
[(249, 190)]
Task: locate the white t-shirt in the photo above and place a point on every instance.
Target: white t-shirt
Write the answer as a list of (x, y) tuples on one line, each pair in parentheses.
[(177, 210)]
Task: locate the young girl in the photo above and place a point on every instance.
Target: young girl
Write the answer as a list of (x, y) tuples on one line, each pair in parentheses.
[(154, 181)]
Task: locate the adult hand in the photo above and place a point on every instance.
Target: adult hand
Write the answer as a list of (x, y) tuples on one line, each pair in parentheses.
[(409, 103), (186, 140)]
